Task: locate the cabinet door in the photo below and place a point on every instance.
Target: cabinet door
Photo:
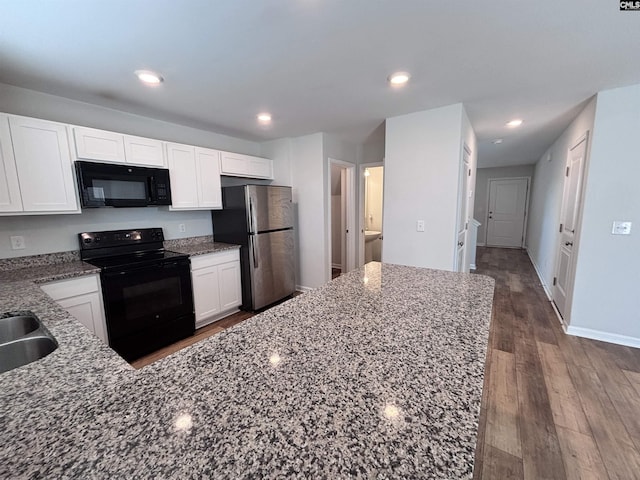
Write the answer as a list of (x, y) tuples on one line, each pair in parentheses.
[(184, 176), (239, 165), (92, 144), (261, 167), (10, 200), (43, 161), (234, 164), (230, 290), (87, 309), (208, 172), (206, 298), (144, 151)]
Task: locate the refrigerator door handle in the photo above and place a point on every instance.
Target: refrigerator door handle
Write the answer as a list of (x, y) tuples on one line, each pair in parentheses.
[(251, 218), (253, 251)]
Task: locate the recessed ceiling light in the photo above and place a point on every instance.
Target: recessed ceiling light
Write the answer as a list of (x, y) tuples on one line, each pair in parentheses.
[(514, 123), (399, 78), (497, 141), (264, 117), (149, 78)]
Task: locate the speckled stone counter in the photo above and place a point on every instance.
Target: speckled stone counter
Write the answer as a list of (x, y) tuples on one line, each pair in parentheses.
[(198, 246), (378, 374)]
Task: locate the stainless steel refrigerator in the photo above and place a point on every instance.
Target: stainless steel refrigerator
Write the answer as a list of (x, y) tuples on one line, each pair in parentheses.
[(259, 218)]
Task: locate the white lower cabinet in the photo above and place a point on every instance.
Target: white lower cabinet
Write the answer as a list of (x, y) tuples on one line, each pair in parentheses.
[(82, 298), (216, 285)]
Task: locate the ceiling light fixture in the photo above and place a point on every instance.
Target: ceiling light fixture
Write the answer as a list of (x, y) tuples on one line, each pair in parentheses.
[(264, 117), (149, 78), (514, 123), (497, 141), (399, 78)]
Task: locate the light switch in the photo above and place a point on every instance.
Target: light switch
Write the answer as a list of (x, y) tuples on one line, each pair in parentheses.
[(420, 226), (621, 228)]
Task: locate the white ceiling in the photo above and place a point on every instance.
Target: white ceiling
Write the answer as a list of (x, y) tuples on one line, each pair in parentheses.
[(321, 65)]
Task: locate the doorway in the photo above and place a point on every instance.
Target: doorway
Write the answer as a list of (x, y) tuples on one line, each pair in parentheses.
[(507, 212), (371, 208), (341, 201), (569, 217)]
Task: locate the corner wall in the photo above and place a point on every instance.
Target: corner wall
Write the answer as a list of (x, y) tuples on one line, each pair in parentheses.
[(422, 163)]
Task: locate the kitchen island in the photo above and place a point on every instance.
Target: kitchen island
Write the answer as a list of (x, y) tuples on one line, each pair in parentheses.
[(377, 374)]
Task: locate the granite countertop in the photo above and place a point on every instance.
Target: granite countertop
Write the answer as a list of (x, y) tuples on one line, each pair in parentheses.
[(202, 247), (379, 373)]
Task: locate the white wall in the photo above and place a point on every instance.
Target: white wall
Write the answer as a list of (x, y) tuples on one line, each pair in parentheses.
[(422, 162), (57, 233), (280, 152), (336, 215), (607, 280), (546, 196), (482, 191), (309, 183)]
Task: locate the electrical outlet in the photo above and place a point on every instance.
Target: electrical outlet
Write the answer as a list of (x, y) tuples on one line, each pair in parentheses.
[(182, 228), (17, 242), (621, 228), (420, 226)]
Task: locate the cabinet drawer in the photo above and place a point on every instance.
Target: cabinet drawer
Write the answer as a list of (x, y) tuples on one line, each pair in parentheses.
[(211, 259), (71, 287)]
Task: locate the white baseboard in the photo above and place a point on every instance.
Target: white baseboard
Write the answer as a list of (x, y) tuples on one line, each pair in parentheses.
[(603, 336), (480, 244), (303, 289), (472, 266), (546, 289), (336, 265)]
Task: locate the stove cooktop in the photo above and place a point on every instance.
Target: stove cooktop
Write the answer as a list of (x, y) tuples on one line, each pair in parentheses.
[(135, 259)]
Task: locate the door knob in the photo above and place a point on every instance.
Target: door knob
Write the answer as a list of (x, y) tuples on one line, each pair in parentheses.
[(460, 244), (568, 244)]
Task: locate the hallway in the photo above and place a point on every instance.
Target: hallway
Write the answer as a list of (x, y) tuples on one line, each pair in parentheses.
[(554, 406)]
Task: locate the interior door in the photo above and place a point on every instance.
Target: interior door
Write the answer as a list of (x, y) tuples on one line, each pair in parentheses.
[(563, 281), (507, 211), (464, 189)]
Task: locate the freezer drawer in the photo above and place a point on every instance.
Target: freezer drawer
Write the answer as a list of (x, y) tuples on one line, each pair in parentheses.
[(271, 266)]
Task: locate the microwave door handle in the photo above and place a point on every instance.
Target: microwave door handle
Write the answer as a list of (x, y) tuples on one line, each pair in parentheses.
[(152, 188)]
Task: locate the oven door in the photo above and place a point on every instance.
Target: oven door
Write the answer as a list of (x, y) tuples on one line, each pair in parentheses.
[(148, 307)]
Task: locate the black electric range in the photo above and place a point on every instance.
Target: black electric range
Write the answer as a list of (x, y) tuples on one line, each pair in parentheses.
[(146, 289)]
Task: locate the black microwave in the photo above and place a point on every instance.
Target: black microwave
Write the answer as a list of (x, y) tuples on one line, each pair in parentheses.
[(112, 185)]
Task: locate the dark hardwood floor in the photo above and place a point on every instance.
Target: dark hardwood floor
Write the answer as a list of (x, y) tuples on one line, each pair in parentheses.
[(554, 406)]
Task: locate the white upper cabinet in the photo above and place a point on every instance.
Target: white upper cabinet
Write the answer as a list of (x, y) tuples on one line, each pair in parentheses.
[(92, 144), (195, 177), (144, 151), (239, 165), (103, 146), (10, 200), (43, 166), (208, 178)]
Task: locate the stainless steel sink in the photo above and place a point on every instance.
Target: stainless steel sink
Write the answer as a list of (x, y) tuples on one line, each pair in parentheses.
[(12, 328), (23, 339)]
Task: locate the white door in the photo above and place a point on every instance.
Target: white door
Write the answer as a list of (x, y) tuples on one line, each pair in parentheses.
[(208, 173), (463, 211), (563, 281), (183, 174), (507, 211)]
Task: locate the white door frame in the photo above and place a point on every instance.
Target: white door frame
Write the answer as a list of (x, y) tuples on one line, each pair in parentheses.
[(526, 207), (349, 254), (361, 205)]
